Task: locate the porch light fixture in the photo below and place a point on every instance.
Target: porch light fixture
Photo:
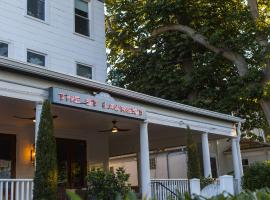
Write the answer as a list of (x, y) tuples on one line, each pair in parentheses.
[(33, 154), (114, 129)]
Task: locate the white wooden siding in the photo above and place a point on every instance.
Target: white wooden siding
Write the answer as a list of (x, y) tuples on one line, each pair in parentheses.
[(55, 36)]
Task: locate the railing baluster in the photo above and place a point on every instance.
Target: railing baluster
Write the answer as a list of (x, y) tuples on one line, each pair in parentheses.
[(11, 190), (27, 190), (1, 190), (6, 192), (22, 190), (17, 190)]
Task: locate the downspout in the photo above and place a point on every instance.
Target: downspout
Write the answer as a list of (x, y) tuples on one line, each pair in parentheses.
[(238, 148)]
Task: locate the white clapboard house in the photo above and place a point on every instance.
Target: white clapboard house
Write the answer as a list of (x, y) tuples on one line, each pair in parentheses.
[(55, 50)]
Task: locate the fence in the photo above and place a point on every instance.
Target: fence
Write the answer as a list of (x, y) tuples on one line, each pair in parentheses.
[(16, 189), (173, 188)]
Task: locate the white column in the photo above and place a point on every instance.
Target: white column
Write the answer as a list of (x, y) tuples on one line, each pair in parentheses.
[(144, 157), (206, 156), (237, 173), (38, 116)]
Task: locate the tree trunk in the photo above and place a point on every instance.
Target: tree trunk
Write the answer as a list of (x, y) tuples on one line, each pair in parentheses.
[(265, 105)]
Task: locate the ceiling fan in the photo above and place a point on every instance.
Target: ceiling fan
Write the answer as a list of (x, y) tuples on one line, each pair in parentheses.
[(32, 118), (114, 129)]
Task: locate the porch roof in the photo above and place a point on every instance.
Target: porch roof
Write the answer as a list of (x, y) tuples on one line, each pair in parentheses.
[(26, 68)]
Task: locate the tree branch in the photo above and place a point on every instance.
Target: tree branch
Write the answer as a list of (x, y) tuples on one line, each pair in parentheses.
[(236, 58), (123, 44)]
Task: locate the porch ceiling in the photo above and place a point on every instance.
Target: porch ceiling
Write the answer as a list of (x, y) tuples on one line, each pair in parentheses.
[(85, 122)]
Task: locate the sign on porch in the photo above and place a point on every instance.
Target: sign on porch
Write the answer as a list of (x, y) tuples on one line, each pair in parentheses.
[(101, 102)]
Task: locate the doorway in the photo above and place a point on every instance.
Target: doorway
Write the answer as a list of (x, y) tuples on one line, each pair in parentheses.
[(71, 158), (7, 156)]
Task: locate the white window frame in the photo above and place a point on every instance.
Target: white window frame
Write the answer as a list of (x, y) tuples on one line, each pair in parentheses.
[(86, 65), (39, 53), (46, 13), (90, 18)]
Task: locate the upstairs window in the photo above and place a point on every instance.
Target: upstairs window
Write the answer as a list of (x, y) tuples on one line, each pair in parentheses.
[(82, 17), (84, 71), (36, 58), (3, 49), (36, 8)]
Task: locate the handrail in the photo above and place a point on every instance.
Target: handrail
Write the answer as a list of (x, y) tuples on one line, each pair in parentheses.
[(168, 189)]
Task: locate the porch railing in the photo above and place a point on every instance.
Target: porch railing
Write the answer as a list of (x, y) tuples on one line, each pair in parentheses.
[(173, 188), (16, 189)]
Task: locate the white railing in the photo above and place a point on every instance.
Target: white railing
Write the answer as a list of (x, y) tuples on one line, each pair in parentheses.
[(16, 189), (173, 188)]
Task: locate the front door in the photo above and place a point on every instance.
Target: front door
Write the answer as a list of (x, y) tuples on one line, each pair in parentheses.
[(7, 156), (71, 157)]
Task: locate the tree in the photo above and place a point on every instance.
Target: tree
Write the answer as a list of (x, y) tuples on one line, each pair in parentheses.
[(45, 180), (193, 158), (210, 54)]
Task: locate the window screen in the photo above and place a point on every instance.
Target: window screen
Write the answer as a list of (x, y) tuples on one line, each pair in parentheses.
[(35, 58), (84, 71), (81, 17), (36, 8)]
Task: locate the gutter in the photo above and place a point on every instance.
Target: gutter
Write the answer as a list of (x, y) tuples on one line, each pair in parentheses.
[(26, 68)]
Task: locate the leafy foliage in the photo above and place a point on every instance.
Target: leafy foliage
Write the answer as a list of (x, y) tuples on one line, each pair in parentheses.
[(45, 180), (172, 66), (105, 185), (257, 176), (193, 159)]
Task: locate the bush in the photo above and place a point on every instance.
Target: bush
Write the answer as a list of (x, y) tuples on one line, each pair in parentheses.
[(45, 180), (104, 185), (257, 176), (193, 158)]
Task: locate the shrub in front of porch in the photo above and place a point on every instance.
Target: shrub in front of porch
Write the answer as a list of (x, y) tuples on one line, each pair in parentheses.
[(105, 185), (193, 158), (257, 176), (45, 180)]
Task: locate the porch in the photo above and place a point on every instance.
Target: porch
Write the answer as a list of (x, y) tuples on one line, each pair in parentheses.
[(75, 127)]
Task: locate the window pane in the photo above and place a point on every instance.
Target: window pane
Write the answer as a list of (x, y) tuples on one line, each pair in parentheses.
[(81, 25), (81, 5), (36, 8), (35, 58), (84, 71), (3, 49)]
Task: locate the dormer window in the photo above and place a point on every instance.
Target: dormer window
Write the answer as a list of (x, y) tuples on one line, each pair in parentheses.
[(82, 22), (36, 9)]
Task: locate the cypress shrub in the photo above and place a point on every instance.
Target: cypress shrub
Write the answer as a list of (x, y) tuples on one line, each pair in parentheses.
[(257, 176), (193, 159), (45, 180)]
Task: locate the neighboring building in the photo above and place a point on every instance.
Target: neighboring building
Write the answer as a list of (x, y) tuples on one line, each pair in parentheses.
[(172, 163), (55, 50)]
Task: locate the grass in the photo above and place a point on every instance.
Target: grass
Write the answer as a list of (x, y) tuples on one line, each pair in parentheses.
[(73, 196)]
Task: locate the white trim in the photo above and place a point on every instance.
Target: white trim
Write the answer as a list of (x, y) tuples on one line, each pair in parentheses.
[(15, 90), (93, 84)]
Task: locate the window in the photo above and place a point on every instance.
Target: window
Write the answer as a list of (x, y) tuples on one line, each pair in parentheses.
[(3, 49), (36, 58), (81, 17), (153, 164), (36, 8), (245, 163), (84, 71)]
